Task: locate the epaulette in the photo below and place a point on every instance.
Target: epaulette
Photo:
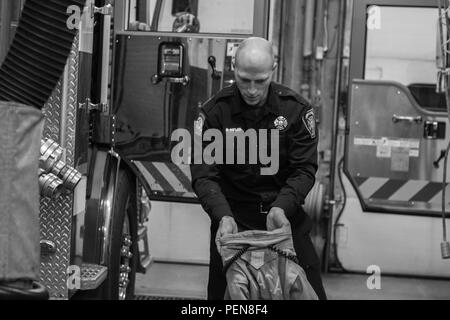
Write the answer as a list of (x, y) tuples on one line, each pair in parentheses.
[(283, 91), (224, 93)]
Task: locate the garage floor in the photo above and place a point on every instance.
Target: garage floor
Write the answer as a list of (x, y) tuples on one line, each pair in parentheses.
[(177, 281)]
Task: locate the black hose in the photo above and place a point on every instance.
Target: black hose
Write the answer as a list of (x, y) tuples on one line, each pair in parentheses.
[(285, 254), (235, 258), (41, 46), (336, 223), (238, 254)]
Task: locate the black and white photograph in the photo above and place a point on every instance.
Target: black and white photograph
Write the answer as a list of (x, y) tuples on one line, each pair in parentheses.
[(213, 156)]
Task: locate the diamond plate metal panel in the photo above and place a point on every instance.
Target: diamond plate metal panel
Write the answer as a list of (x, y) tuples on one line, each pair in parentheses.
[(56, 215)]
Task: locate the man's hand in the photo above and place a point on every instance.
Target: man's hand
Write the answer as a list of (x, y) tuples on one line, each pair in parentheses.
[(276, 219), (227, 226)]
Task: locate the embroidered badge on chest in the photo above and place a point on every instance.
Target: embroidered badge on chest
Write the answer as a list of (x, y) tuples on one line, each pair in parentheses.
[(310, 123), (280, 123)]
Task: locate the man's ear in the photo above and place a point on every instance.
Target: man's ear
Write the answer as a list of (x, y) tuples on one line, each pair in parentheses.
[(233, 62), (275, 65)]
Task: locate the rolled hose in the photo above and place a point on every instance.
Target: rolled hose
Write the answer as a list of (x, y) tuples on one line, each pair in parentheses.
[(38, 53)]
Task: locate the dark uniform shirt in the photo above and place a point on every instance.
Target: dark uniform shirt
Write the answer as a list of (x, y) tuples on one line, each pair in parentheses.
[(223, 187)]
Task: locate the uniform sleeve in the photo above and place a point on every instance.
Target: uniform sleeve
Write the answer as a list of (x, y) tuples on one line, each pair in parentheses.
[(205, 179), (302, 153)]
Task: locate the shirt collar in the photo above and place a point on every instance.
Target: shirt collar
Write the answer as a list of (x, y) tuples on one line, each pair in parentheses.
[(271, 105)]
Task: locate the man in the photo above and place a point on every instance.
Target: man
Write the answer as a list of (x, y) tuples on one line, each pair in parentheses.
[(237, 196)]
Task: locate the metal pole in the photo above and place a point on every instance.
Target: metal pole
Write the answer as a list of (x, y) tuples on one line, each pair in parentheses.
[(334, 130), (309, 28), (105, 59), (445, 245), (292, 44)]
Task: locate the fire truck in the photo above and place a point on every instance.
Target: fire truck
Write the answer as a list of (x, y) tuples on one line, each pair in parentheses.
[(375, 72)]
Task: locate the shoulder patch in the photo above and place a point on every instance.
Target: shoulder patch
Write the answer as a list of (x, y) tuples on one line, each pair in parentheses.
[(208, 106), (310, 123)]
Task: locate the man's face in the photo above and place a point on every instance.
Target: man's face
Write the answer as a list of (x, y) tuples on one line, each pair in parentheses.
[(253, 83)]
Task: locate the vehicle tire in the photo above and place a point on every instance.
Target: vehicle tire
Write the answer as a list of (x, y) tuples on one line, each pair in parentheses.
[(119, 283)]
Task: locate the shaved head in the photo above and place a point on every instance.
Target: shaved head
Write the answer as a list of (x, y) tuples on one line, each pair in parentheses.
[(256, 52), (254, 66)]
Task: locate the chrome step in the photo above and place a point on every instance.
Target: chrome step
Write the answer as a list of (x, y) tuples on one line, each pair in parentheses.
[(92, 276), (146, 261), (142, 232), (144, 252)]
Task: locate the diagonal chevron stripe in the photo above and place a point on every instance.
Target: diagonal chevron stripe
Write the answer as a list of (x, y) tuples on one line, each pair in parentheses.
[(170, 177), (148, 177), (371, 185), (167, 178), (408, 190), (388, 189), (159, 178), (428, 192), (402, 190), (186, 170), (181, 176), (438, 197), (359, 180)]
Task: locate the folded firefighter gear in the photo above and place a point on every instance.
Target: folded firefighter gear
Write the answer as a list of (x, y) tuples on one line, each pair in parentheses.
[(262, 265)]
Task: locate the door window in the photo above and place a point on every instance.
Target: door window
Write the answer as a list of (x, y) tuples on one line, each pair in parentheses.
[(401, 47), (204, 16)]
